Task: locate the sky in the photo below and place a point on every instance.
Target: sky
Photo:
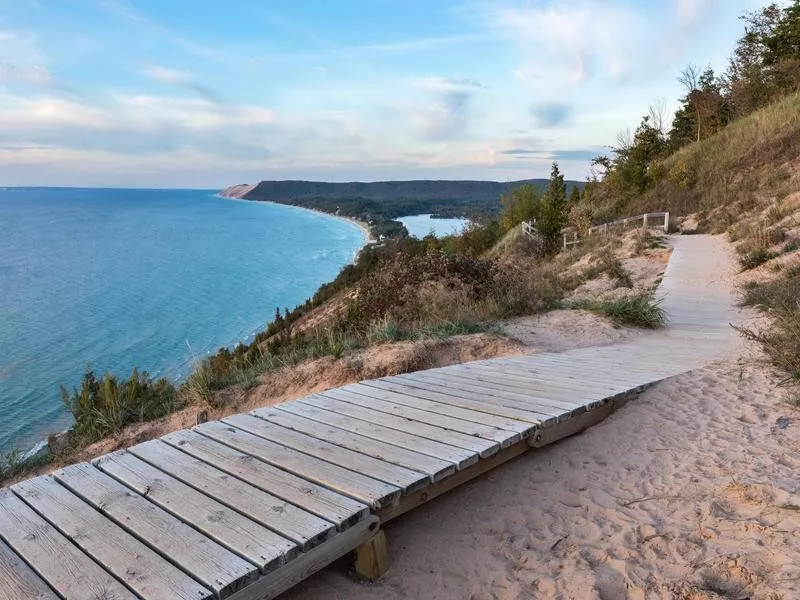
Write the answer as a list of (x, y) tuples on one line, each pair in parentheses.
[(209, 93)]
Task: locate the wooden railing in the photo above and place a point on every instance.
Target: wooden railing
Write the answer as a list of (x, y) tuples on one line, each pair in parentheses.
[(654, 220)]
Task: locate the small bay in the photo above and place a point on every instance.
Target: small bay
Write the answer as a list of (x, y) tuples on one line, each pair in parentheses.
[(116, 279), (419, 226)]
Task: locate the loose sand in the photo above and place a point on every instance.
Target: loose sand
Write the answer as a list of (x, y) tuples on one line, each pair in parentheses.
[(691, 492)]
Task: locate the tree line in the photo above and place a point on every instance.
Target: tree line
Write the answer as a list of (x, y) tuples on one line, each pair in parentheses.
[(763, 67)]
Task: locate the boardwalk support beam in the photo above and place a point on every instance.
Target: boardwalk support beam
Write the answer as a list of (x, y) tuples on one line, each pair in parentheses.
[(372, 557)]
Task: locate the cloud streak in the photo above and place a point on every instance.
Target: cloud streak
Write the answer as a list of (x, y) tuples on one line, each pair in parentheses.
[(575, 42), (182, 79), (447, 117)]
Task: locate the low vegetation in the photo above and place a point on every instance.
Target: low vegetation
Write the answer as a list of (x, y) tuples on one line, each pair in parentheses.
[(14, 463), (103, 406), (780, 300), (635, 311)]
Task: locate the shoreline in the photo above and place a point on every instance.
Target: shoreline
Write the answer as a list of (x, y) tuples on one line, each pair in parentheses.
[(37, 448), (365, 227)]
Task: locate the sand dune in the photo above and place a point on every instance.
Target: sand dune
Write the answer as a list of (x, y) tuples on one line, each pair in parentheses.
[(691, 492)]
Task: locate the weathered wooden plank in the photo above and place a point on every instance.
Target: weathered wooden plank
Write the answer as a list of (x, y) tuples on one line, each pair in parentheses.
[(462, 458), (433, 467), (553, 397), (549, 384), (64, 566), (478, 445), (566, 401), (453, 398), (608, 372), (596, 363), (520, 427), (206, 561), (18, 581), (261, 546), (567, 374), (283, 518), (529, 406), (406, 479), (339, 510), (360, 487), (469, 428), (128, 559), (310, 562)]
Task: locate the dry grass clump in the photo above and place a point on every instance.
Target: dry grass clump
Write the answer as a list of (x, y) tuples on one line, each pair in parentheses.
[(417, 292), (747, 164), (780, 298), (636, 311)]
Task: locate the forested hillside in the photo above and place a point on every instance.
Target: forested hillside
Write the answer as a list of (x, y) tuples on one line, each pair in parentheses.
[(731, 143), (394, 199)]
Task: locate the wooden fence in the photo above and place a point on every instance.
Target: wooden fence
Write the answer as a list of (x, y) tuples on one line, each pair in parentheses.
[(654, 220)]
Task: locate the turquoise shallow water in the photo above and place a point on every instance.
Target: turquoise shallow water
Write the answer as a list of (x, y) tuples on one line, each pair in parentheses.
[(118, 279)]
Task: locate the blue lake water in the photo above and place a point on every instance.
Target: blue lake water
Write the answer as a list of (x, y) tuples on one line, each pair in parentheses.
[(118, 279), (421, 225)]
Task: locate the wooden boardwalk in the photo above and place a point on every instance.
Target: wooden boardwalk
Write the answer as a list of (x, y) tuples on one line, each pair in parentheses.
[(245, 507)]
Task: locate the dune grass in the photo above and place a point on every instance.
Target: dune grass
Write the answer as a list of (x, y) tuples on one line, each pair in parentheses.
[(747, 163), (780, 299), (14, 464), (636, 311)]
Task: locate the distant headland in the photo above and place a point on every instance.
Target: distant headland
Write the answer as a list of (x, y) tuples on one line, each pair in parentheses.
[(379, 203)]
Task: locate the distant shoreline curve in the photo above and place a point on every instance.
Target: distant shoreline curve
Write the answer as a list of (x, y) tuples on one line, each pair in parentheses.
[(369, 238)]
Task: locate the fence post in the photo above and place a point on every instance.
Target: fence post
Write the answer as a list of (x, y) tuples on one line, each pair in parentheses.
[(666, 222), (644, 221)]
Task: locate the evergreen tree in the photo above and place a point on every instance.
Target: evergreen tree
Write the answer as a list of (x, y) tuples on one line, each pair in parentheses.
[(522, 204), (575, 195), (554, 211)]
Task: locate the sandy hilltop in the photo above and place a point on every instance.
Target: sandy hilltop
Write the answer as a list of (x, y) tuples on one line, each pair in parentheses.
[(237, 191)]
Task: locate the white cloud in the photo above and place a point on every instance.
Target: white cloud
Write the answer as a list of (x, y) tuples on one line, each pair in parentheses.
[(449, 84), (181, 79), (574, 42), (167, 75), (135, 129), (568, 42), (446, 115), (691, 12), (34, 75)]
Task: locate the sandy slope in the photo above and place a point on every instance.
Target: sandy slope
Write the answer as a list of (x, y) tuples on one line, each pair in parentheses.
[(691, 492)]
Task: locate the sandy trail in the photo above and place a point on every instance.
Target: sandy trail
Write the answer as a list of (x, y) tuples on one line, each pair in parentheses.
[(691, 491)]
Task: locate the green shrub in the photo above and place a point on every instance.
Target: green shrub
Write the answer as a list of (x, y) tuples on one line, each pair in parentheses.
[(756, 258), (446, 329), (637, 311), (386, 331), (104, 406), (773, 294), (13, 464)]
